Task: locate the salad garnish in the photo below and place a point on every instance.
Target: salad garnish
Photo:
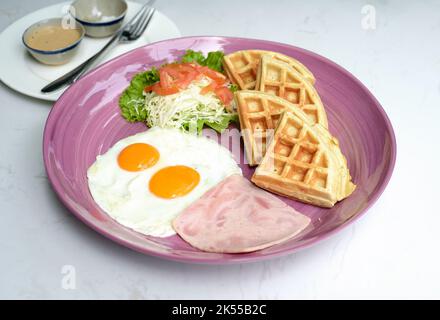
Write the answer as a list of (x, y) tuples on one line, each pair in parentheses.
[(186, 94)]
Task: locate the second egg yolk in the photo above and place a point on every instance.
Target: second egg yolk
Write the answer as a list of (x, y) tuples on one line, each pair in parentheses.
[(138, 156), (174, 181)]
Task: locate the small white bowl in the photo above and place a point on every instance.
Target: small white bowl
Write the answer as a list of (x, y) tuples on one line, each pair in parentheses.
[(100, 18), (56, 56)]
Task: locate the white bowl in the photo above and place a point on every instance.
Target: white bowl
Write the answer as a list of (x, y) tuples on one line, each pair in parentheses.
[(57, 56), (100, 18)]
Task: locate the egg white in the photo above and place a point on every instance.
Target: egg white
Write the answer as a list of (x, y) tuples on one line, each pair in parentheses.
[(126, 197)]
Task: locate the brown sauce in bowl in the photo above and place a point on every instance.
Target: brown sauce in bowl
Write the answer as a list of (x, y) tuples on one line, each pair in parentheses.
[(49, 38)]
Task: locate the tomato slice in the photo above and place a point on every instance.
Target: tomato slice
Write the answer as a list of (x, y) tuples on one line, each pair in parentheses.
[(186, 78), (157, 88), (166, 80), (214, 75), (187, 67), (224, 94), (171, 69), (175, 77), (209, 88), (150, 87), (180, 75)]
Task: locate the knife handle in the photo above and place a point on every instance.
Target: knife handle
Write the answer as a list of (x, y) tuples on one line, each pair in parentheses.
[(80, 70)]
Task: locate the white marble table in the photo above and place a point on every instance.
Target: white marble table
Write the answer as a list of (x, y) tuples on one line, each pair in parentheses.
[(392, 252)]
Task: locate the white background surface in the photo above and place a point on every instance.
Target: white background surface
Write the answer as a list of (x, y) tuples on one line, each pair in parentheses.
[(391, 252)]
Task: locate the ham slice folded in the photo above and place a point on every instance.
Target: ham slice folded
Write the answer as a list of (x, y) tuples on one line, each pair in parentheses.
[(235, 216)]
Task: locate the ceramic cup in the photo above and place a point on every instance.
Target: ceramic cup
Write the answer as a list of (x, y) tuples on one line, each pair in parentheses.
[(100, 18), (56, 56)]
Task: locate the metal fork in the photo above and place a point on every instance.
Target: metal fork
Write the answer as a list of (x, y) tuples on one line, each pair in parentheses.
[(129, 32)]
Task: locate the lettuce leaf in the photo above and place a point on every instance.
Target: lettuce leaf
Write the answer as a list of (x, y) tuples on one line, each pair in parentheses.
[(212, 61), (233, 87), (193, 56), (219, 126), (224, 124), (132, 99)]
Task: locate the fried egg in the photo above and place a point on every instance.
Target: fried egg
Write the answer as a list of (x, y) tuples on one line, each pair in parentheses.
[(144, 181)]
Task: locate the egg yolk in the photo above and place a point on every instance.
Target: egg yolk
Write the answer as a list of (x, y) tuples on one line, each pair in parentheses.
[(138, 156), (175, 181)]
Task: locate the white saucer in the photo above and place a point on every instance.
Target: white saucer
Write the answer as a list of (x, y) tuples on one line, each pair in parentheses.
[(24, 74)]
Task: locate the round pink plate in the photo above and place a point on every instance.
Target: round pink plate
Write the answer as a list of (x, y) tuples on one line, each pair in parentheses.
[(86, 121)]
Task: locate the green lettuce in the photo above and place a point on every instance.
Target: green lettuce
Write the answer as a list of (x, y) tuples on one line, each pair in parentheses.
[(224, 123), (193, 56), (219, 126), (132, 99), (213, 60), (233, 87)]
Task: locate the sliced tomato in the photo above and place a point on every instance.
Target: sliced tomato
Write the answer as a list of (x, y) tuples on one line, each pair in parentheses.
[(166, 80), (214, 75), (187, 76), (149, 88), (180, 75), (224, 94), (209, 88), (187, 67), (157, 88), (171, 69), (175, 77)]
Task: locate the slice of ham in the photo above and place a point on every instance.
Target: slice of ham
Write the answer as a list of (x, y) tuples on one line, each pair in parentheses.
[(235, 216)]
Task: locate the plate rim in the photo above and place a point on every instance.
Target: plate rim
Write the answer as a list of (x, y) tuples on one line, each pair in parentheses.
[(53, 97), (239, 258)]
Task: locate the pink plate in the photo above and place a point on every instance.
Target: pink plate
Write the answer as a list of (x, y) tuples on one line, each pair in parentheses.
[(86, 121)]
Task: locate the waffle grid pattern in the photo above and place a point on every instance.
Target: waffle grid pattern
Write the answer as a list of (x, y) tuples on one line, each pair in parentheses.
[(278, 79), (245, 66), (259, 115), (296, 156), (242, 66)]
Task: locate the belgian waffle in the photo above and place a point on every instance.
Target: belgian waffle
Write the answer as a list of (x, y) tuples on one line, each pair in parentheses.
[(242, 66), (304, 162), (280, 79), (258, 114)]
